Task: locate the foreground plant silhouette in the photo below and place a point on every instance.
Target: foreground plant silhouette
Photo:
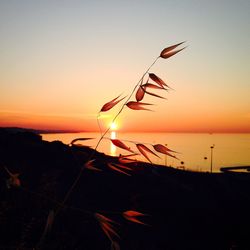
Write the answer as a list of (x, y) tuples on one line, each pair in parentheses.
[(186, 209), (141, 89), (124, 165)]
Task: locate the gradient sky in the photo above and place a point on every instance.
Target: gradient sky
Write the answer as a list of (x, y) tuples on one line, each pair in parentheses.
[(62, 60)]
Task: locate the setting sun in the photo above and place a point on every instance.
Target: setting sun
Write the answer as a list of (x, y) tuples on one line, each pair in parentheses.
[(113, 126)]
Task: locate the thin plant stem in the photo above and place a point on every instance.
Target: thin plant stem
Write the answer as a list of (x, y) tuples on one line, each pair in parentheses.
[(124, 104), (98, 122), (103, 135)]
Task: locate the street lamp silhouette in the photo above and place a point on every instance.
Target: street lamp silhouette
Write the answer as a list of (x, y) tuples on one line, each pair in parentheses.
[(211, 166)]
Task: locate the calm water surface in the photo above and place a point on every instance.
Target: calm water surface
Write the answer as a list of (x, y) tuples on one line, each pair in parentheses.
[(195, 151)]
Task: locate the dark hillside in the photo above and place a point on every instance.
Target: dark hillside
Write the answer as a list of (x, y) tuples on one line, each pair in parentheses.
[(185, 210)]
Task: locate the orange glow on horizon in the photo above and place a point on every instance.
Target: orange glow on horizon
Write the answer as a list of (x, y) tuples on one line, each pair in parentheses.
[(146, 124)]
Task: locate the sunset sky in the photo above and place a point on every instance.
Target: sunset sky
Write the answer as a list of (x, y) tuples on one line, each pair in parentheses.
[(62, 60)]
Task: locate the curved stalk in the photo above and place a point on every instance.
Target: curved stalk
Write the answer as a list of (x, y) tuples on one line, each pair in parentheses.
[(103, 135), (139, 83)]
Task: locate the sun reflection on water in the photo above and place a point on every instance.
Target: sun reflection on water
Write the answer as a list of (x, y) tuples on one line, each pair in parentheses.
[(112, 146)]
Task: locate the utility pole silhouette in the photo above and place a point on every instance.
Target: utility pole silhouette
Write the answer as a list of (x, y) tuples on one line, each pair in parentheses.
[(211, 166)]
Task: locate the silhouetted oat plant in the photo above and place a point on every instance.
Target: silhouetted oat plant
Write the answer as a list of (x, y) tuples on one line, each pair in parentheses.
[(125, 165), (140, 90)]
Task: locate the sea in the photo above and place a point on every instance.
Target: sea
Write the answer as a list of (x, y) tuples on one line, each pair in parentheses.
[(201, 152)]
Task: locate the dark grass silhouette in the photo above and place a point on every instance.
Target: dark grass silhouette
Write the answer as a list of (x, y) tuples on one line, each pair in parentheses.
[(185, 210)]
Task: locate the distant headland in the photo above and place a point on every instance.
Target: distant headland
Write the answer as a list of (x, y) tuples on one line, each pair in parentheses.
[(39, 131)]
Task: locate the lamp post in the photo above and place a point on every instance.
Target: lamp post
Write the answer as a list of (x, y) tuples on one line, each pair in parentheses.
[(211, 166)]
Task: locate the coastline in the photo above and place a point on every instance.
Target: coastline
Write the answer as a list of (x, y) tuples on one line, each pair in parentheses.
[(205, 211)]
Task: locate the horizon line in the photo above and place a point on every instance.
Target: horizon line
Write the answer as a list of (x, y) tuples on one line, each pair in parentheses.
[(48, 130)]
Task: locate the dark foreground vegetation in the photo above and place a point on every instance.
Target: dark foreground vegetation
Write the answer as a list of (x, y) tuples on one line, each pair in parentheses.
[(185, 210)]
